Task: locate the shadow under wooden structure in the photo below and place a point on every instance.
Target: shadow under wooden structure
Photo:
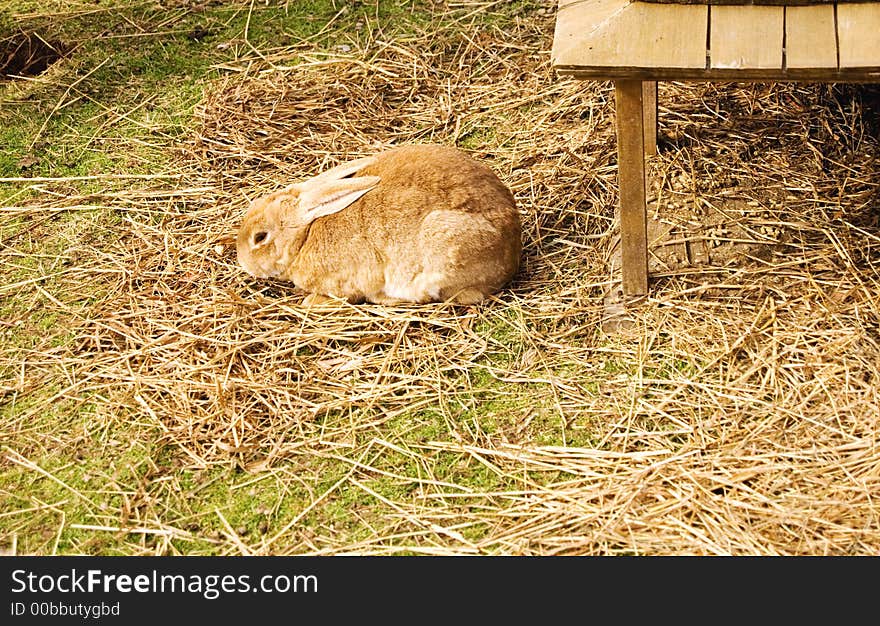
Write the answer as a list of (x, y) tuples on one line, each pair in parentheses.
[(636, 43)]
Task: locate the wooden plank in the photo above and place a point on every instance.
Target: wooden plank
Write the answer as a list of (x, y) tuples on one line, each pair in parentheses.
[(622, 33), (649, 115), (810, 37), (858, 26), (575, 21), (746, 37), (631, 180)]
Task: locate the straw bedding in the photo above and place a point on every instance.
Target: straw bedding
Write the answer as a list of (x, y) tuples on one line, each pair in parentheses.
[(739, 414)]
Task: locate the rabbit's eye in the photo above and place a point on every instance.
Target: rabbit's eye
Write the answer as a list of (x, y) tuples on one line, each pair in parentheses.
[(260, 237)]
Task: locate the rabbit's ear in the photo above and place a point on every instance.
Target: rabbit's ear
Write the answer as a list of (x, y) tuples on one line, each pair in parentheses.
[(333, 196), (340, 171)]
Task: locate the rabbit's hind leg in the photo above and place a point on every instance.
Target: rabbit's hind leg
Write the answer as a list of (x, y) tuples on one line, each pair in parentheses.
[(464, 257), (468, 295)]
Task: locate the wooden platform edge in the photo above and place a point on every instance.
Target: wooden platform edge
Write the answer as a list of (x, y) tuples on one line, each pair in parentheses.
[(862, 75)]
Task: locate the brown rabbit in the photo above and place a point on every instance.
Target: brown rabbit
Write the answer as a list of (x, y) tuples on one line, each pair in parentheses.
[(417, 223)]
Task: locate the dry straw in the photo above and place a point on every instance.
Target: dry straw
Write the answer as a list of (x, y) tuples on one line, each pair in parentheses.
[(739, 415)]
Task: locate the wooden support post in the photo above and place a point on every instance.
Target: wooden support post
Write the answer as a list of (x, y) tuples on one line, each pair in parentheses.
[(631, 180), (649, 106)]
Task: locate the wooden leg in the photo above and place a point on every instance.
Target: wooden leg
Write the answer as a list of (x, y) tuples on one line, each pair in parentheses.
[(631, 178), (649, 107)]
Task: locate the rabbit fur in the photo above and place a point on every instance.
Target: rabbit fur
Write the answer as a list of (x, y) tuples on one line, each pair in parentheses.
[(416, 223)]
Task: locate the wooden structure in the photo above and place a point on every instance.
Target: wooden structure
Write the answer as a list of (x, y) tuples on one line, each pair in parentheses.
[(638, 42)]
